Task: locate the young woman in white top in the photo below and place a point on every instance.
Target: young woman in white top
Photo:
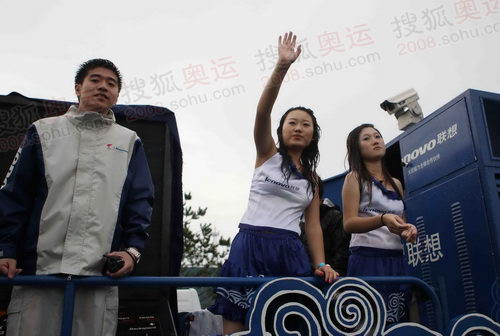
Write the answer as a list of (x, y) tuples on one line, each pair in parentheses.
[(284, 187), (373, 212)]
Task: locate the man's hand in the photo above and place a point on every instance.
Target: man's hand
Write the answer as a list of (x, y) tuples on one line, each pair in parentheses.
[(128, 264), (8, 267)]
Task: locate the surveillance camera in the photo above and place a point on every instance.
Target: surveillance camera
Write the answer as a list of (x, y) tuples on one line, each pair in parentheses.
[(405, 108), (397, 103)]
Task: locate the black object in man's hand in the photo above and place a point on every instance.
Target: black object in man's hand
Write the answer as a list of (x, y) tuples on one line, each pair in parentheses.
[(113, 263)]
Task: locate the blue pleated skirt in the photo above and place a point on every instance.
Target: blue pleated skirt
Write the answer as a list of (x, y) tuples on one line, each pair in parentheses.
[(258, 251), (368, 261)]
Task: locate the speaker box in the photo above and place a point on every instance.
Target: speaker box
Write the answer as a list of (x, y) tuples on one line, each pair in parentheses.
[(157, 128)]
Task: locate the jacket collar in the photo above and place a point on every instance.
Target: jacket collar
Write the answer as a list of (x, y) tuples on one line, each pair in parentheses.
[(90, 119)]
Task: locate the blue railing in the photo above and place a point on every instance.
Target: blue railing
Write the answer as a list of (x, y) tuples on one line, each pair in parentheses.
[(70, 285)]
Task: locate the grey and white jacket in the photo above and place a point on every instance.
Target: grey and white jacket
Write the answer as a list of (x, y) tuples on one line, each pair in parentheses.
[(79, 187)]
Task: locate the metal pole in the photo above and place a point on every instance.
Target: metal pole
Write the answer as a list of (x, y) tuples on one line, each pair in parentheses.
[(68, 307)]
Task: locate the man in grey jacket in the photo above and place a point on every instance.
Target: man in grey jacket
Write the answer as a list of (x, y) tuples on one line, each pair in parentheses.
[(79, 188)]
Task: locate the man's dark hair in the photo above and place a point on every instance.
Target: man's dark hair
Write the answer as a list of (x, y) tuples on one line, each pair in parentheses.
[(97, 63)]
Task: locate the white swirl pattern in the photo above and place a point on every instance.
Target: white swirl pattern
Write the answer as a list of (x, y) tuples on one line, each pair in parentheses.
[(349, 307)]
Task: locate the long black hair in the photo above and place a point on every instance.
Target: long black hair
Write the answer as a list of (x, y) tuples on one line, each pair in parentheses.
[(310, 154), (357, 164)]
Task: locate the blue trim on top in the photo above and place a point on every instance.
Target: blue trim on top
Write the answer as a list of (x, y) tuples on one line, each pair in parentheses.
[(391, 194), (297, 173)]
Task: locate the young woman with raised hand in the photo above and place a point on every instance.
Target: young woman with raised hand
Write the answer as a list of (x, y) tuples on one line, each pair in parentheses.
[(285, 187), (374, 213)]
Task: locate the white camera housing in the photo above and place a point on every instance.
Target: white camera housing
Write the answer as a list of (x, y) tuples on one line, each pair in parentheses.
[(405, 108)]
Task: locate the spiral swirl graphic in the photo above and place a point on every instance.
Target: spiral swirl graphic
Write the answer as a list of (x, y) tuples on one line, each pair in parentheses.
[(287, 306), (355, 308), (291, 306), (311, 325), (395, 307)]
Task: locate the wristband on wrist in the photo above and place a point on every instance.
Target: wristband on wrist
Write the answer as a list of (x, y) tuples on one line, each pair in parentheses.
[(382, 219), (321, 264)]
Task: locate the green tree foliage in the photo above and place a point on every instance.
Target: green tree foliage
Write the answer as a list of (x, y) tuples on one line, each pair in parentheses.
[(204, 252)]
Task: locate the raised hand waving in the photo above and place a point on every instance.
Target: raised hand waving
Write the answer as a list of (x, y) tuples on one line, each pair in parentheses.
[(287, 51)]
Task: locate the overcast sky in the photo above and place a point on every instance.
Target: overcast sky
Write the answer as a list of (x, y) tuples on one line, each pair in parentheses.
[(207, 61)]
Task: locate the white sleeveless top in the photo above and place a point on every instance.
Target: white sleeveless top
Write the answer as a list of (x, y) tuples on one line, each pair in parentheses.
[(383, 201), (274, 201)]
